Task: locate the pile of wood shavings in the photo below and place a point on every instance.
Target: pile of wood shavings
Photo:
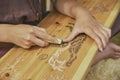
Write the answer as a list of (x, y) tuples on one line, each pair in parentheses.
[(105, 70), (54, 62)]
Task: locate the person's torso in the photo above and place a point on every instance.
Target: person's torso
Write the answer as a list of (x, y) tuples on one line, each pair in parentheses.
[(21, 11)]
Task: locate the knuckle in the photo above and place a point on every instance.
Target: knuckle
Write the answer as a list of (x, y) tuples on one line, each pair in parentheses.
[(89, 32), (26, 47), (43, 44), (27, 43), (108, 31), (28, 37), (87, 28), (44, 30), (31, 30)]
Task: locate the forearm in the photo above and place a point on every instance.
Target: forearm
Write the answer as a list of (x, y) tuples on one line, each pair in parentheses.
[(69, 7), (116, 26), (3, 33)]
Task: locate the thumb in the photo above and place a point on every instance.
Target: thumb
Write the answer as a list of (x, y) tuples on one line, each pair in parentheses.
[(71, 36)]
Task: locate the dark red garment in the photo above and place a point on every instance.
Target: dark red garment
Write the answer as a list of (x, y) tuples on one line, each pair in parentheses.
[(4, 50), (4, 47), (21, 11)]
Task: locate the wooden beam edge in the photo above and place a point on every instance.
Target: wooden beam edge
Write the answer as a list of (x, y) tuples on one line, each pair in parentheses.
[(113, 15), (80, 74)]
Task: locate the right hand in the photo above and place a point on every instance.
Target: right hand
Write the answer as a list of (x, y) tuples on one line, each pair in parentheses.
[(85, 23), (26, 36)]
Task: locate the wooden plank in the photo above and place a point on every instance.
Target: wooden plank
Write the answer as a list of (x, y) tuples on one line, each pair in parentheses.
[(75, 57)]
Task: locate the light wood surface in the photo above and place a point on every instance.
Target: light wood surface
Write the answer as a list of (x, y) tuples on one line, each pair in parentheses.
[(74, 59)]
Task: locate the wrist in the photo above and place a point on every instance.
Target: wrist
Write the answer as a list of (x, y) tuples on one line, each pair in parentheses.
[(82, 13)]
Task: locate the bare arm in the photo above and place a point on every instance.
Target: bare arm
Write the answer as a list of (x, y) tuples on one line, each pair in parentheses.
[(25, 36), (68, 7)]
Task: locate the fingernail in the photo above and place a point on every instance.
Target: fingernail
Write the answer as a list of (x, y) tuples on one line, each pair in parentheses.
[(101, 49)]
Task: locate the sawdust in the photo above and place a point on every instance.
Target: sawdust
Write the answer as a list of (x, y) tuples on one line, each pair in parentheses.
[(105, 70)]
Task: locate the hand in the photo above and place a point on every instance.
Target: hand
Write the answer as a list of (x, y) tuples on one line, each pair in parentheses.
[(85, 23), (27, 36)]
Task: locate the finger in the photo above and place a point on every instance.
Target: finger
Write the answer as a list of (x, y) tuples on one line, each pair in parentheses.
[(96, 38), (71, 36), (117, 48), (41, 29), (96, 29), (102, 33), (117, 54), (25, 46), (22, 44), (102, 37), (33, 44), (44, 36), (106, 30), (38, 42), (105, 37)]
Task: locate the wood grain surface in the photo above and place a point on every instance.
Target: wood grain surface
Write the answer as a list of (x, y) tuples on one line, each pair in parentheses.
[(69, 61)]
